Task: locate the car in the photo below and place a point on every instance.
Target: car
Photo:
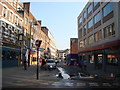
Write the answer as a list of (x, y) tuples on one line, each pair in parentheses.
[(50, 64)]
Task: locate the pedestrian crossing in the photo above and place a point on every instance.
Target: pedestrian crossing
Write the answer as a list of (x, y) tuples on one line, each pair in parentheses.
[(86, 84)]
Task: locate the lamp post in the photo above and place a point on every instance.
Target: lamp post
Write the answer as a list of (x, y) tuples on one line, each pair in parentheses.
[(30, 37)]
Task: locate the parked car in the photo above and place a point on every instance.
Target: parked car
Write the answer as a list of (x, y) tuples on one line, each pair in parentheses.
[(50, 64)]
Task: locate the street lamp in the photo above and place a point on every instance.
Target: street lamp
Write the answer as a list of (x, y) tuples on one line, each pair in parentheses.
[(30, 37)]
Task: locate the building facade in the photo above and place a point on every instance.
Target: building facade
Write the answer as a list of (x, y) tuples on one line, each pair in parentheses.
[(51, 49), (63, 53), (73, 45), (19, 30), (99, 34), (11, 24)]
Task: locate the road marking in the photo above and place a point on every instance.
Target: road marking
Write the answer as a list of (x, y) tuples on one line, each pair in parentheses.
[(93, 84), (106, 84), (81, 84)]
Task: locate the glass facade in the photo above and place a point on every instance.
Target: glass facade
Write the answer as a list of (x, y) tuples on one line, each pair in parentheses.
[(84, 15), (80, 20), (90, 23), (107, 9), (84, 29), (90, 8), (97, 18)]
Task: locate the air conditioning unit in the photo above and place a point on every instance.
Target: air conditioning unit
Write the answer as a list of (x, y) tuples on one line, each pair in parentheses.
[(4, 24)]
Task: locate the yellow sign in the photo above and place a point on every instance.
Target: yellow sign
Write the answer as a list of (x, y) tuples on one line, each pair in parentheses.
[(30, 36)]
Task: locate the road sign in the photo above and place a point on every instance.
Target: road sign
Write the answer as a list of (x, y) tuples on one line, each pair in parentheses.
[(38, 43)]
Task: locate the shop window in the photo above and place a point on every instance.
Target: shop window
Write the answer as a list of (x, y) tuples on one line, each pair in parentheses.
[(34, 59), (112, 59)]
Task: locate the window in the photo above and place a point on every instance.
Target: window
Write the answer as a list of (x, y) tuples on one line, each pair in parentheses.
[(90, 23), (98, 36), (80, 20), (84, 30), (97, 17), (89, 9), (4, 12), (96, 2), (107, 9), (26, 21), (80, 33), (109, 31), (85, 42), (11, 17), (84, 15), (81, 44), (16, 20), (90, 39)]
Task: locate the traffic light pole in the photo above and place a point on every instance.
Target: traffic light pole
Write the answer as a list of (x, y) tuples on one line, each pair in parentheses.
[(38, 43), (37, 63)]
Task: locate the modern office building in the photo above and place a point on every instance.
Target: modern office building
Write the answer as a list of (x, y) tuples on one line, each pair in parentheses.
[(99, 34)]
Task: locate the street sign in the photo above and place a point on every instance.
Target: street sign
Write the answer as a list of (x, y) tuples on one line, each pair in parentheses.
[(38, 43)]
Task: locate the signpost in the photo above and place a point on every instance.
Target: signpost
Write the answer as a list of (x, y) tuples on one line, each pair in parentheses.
[(38, 43)]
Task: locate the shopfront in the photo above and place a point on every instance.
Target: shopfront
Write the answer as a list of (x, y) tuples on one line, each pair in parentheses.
[(10, 54)]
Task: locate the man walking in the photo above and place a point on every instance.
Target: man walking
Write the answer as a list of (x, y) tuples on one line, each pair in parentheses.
[(24, 62)]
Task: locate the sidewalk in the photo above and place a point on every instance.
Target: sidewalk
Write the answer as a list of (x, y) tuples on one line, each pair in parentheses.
[(18, 77)]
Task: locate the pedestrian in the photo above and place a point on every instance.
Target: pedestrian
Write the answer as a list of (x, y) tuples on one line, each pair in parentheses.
[(43, 63), (24, 62), (85, 64)]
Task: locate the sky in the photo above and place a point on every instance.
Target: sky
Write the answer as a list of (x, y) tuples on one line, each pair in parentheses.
[(60, 18)]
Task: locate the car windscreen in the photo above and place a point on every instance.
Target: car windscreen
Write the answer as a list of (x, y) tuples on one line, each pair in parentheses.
[(50, 61)]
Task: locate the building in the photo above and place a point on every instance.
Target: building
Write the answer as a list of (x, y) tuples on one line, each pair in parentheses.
[(63, 53), (73, 45), (19, 30), (11, 24), (51, 49), (99, 34)]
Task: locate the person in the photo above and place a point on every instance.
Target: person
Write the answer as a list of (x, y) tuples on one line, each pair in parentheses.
[(56, 61), (85, 64), (24, 62), (43, 63)]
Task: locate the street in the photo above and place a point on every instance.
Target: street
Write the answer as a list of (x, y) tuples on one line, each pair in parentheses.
[(17, 77)]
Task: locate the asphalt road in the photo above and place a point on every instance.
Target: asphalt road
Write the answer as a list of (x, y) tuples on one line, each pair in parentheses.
[(17, 77)]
